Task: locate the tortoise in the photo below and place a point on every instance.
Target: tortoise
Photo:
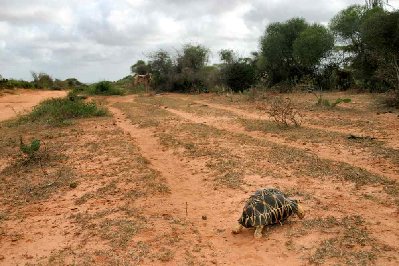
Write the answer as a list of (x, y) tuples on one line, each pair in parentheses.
[(265, 207)]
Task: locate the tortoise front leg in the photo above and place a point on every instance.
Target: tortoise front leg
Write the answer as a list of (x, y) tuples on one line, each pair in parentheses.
[(258, 231), (237, 229)]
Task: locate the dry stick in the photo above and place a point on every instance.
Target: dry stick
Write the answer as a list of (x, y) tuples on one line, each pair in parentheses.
[(186, 209)]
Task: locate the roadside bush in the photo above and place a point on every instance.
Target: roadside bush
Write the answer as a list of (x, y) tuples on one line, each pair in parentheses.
[(283, 112), (59, 111), (238, 75), (189, 81), (15, 84), (105, 88), (327, 103)]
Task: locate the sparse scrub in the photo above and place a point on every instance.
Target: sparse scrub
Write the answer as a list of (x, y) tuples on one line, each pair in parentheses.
[(353, 246), (31, 149), (321, 101), (283, 112), (255, 94), (165, 255), (119, 231)]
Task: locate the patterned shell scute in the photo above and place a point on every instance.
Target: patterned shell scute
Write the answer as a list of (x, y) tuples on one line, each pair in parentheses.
[(267, 206)]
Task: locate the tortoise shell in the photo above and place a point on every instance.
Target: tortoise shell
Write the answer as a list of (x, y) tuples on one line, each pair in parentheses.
[(268, 206)]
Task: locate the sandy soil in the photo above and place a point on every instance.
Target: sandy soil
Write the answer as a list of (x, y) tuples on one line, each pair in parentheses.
[(164, 180), (21, 101)]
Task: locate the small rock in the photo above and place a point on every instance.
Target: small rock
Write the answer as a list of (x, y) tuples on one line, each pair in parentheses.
[(204, 217), (73, 185)]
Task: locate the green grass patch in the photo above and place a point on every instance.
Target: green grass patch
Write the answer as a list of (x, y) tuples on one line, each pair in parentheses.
[(59, 111)]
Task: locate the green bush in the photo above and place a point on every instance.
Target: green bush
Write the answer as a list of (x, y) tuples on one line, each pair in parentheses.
[(239, 75), (105, 88), (15, 84), (59, 111), (31, 149), (326, 103)]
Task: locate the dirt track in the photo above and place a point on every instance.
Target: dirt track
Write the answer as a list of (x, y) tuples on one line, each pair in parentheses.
[(164, 181), (21, 101)]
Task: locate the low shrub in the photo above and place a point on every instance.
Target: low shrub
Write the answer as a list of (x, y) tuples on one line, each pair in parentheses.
[(31, 149), (60, 111), (283, 112), (15, 84), (326, 103), (104, 88)]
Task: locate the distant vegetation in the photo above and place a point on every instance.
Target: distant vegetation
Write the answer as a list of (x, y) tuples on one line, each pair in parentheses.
[(358, 50), (41, 81), (104, 88)]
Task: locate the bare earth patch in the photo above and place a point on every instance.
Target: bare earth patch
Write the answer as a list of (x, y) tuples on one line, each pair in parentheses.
[(164, 181)]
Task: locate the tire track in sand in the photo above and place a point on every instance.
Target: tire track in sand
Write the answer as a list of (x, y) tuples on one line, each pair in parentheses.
[(323, 152), (202, 199)]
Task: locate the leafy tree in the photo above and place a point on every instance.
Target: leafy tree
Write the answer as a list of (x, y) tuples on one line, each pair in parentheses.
[(375, 3), (162, 69), (292, 50), (277, 50), (380, 33), (227, 56), (312, 45), (194, 57), (189, 71), (238, 74), (140, 68), (42, 80), (347, 26)]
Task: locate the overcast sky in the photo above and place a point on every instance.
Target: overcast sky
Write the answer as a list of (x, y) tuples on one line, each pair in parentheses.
[(100, 40)]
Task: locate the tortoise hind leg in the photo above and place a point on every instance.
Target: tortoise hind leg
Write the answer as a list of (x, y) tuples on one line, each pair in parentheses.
[(237, 229), (258, 231)]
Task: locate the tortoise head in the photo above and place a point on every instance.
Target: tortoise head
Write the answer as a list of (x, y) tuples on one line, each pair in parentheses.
[(298, 209)]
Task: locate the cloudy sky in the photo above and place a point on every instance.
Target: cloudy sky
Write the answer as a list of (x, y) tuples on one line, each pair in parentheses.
[(97, 40)]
